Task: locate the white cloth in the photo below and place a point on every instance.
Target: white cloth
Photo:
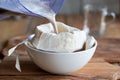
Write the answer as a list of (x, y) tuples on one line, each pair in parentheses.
[(69, 39)]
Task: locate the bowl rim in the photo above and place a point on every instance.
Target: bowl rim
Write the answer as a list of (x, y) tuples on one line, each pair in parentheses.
[(51, 52)]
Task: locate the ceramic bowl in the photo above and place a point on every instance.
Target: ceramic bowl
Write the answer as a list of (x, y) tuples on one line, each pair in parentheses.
[(60, 63)]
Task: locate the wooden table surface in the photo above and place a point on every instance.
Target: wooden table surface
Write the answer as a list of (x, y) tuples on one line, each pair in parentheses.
[(105, 64)]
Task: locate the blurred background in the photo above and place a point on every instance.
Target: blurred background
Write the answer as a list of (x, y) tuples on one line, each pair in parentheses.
[(103, 19)]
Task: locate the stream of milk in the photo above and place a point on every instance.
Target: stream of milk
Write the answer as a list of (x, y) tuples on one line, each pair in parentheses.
[(41, 8)]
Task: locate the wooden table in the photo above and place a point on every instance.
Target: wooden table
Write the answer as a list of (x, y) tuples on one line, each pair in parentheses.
[(105, 64)]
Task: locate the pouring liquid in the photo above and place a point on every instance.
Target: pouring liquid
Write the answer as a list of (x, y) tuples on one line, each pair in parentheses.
[(41, 8), (53, 22)]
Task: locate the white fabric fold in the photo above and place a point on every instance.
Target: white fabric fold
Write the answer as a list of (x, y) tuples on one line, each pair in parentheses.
[(17, 64), (11, 51), (90, 42)]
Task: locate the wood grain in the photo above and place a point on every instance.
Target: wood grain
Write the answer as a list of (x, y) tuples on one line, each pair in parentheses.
[(96, 69), (108, 49)]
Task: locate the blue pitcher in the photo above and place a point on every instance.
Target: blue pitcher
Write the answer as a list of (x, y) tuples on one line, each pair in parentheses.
[(28, 6)]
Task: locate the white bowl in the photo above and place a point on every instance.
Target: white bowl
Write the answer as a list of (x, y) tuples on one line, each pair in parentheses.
[(60, 63)]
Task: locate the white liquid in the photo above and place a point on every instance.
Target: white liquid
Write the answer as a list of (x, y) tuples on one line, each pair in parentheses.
[(41, 8), (53, 21)]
